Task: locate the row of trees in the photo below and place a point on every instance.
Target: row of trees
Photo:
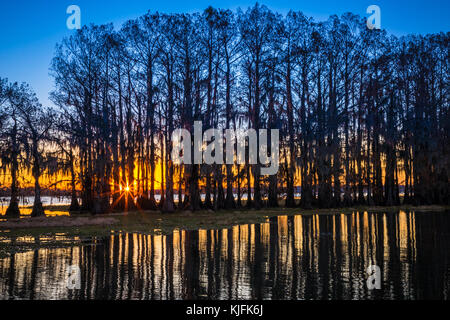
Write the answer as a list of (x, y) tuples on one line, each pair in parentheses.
[(24, 132), (363, 116)]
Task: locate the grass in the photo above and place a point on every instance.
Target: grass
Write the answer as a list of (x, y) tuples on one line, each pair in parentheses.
[(152, 222)]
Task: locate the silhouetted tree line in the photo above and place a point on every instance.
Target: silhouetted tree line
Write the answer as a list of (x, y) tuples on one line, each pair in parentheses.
[(363, 116), (24, 130)]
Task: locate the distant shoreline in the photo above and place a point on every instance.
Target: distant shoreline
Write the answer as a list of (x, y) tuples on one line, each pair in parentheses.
[(86, 219)]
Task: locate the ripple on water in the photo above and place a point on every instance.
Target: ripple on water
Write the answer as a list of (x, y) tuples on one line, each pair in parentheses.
[(297, 257)]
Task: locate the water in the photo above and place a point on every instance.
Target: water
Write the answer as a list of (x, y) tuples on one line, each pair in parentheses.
[(298, 257), (26, 205)]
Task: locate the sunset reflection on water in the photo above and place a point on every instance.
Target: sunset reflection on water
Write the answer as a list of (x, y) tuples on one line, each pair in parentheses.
[(296, 257)]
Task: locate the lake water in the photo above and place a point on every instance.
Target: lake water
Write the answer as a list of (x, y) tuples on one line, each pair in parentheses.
[(297, 257), (26, 205)]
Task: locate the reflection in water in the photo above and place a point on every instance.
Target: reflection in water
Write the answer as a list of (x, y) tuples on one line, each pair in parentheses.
[(299, 257)]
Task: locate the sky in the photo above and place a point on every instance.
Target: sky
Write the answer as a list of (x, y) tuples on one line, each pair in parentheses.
[(30, 29)]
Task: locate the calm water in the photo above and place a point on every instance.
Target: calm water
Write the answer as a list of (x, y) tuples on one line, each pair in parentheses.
[(299, 257), (26, 205)]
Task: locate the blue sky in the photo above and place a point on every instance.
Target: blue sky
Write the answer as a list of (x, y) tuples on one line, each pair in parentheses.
[(30, 29)]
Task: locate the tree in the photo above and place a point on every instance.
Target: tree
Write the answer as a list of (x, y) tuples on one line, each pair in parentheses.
[(35, 123), (12, 146)]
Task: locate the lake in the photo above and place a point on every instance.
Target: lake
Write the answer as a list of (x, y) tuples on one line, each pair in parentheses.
[(26, 205), (289, 257)]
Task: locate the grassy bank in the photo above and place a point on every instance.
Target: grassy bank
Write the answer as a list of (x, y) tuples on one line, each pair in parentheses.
[(28, 233)]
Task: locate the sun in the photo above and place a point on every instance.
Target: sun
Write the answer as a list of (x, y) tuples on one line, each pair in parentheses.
[(127, 189)]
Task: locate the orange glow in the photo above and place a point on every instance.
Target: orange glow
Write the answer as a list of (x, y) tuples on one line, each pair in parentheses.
[(62, 180)]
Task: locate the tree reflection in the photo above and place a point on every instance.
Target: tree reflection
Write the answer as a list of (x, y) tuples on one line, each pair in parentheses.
[(298, 257)]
